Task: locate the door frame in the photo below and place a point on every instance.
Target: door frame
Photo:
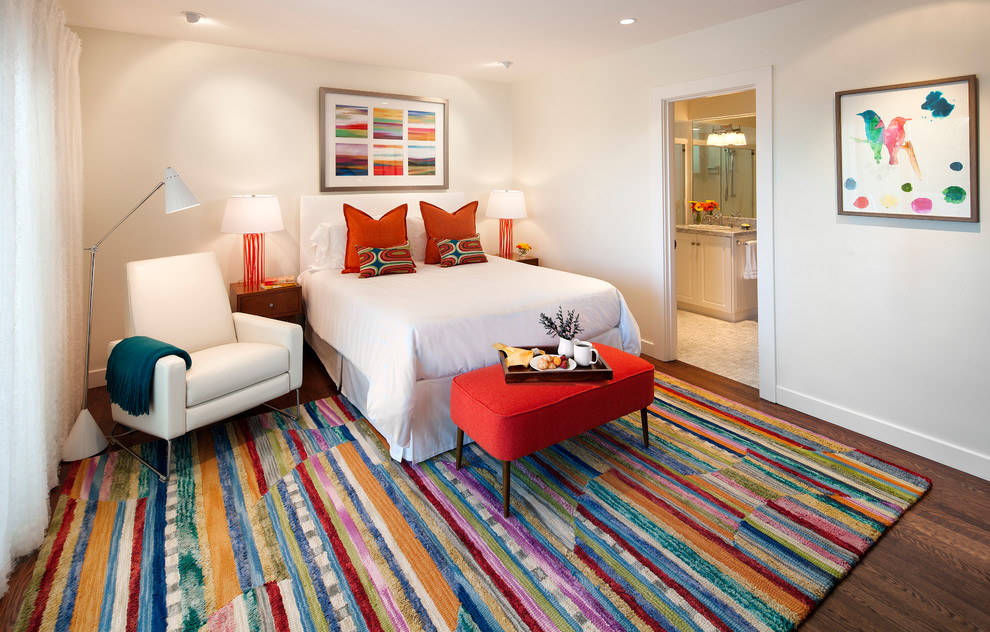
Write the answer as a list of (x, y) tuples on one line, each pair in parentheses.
[(664, 314)]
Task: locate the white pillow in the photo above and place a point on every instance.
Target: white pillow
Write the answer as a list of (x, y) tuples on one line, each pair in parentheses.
[(416, 234), (330, 241)]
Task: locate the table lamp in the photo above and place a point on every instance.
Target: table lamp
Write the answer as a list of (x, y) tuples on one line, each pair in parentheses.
[(85, 438), (252, 216), (506, 206)]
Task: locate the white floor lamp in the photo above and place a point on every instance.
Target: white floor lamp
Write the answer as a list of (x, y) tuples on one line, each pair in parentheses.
[(86, 439)]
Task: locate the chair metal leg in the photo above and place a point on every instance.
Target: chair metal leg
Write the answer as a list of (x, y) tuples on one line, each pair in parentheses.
[(163, 477), (278, 410)]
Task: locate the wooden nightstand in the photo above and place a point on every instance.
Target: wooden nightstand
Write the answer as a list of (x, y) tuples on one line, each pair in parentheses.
[(533, 261), (283, 303)]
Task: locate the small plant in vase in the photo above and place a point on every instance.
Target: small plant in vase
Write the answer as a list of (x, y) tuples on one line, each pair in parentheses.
[(566, 328), (523, 248)]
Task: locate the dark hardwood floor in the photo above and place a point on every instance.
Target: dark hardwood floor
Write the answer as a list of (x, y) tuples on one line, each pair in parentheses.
[(930, 572)]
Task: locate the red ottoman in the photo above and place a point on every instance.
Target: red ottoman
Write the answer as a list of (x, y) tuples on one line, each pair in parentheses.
[(510, 421)]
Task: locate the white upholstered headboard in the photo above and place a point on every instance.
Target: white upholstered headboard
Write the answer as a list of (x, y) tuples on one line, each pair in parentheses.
[(316, 209)]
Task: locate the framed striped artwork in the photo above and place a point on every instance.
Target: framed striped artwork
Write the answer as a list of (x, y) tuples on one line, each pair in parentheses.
[(375, 141)]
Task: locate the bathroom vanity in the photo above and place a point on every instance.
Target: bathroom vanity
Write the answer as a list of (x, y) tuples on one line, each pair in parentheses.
[(710, 263)]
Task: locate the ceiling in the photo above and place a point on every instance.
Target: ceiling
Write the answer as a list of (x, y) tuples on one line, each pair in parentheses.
[(463, 38)]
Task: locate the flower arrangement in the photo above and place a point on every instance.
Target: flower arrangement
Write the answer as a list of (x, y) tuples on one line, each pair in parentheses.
[(708, 206), (565, 327), (523, 248)]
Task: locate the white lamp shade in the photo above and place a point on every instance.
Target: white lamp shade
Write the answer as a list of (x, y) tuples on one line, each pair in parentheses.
[(506, 205), (178, 197), (246, 214)]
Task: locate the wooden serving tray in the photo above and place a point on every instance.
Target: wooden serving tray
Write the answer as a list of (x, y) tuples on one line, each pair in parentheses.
[(598, 371)]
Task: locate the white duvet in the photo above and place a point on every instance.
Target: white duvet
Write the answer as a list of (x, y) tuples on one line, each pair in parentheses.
[(441, 322)]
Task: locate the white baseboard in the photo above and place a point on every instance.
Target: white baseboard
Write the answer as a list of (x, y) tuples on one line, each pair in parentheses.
[(98, 378), (932, 448), (647, 347)]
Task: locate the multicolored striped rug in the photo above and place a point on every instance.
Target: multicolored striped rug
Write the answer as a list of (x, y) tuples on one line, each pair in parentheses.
[(731, 520)]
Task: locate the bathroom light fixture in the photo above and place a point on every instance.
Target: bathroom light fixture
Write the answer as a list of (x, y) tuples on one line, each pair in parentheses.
[(192, 17), (726, 135), (504, 64), (627, 21)]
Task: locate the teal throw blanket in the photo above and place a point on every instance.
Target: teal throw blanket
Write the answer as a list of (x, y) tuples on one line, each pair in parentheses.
[(131, 371)]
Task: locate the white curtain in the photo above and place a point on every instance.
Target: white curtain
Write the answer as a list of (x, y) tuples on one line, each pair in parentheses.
[(42, 264)]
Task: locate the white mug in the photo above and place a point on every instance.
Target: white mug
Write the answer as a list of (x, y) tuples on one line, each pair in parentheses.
[(584, 353)]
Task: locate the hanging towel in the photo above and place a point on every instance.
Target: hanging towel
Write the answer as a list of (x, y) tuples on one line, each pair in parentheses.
[(750, 272), (131, 371)]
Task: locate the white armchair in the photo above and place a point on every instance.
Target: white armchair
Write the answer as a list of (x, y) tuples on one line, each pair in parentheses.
[(239, 361)]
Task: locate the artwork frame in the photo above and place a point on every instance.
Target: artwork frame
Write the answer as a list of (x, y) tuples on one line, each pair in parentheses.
[(379, 141), (931, 132)]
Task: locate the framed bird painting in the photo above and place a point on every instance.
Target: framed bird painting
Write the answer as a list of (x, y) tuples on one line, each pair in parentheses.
[(909, 150)]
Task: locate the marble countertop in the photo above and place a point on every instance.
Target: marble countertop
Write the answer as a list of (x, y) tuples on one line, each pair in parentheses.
[(705, 229)]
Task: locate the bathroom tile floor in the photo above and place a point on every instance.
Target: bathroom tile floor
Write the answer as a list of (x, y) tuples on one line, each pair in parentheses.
[(728, 349)]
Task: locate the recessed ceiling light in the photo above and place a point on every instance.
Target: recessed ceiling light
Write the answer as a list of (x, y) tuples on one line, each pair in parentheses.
[(627, 21), (192, 17), (504, 64)]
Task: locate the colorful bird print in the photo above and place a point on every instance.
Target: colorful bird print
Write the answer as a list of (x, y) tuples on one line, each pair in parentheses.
[(895, 139), (874, 132), (893, 136)]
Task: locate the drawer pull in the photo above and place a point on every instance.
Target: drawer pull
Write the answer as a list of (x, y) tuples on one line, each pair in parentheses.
[(271, 305)]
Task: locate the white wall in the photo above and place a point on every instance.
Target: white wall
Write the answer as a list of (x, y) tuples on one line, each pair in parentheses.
[(235, 121), (881, 324)]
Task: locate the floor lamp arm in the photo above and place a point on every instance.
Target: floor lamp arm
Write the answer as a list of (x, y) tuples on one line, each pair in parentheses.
[(92, 279), (124, 218)]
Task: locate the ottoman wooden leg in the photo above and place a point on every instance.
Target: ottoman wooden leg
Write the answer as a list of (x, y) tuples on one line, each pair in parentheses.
[(646, 431), (460, 446), (505, 488)]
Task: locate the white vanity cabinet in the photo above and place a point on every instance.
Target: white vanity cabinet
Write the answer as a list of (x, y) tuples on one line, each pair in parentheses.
[(710, 263)]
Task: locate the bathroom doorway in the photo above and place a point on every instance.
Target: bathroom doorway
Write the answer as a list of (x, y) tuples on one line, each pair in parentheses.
[(717, 318), (673, 135)]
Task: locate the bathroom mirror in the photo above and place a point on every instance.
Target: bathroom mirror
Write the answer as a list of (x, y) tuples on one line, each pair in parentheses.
[(725, 173)]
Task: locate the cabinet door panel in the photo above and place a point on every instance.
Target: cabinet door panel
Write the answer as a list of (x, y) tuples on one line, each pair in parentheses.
[(684, 275), (715, 272)]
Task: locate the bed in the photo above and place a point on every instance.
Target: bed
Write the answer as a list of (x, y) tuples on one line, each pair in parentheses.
[(393, 344)]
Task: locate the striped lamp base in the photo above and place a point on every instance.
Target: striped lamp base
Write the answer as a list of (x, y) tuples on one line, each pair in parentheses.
[(254, 260), (505, 238)]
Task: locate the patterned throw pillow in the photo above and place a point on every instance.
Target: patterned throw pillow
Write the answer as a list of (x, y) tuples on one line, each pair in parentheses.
[(390, 260), (456, 252)]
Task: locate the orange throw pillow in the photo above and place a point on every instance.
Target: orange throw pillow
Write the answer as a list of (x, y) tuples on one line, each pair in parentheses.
[(443, 225), (365, 231)]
